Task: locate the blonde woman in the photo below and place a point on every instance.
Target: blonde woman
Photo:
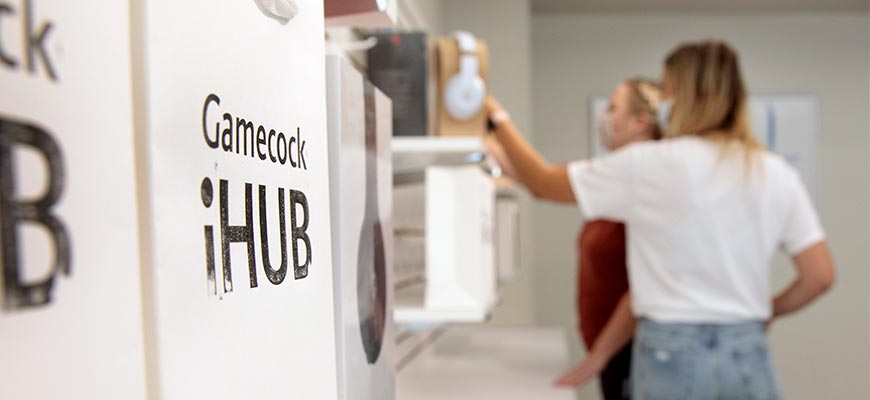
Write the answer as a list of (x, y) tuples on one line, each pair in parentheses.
[(602, 272), (705, 210)]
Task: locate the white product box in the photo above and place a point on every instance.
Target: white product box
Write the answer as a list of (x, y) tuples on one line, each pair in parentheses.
[(460, 253), (457, 197), (507, 227), (360, 130)]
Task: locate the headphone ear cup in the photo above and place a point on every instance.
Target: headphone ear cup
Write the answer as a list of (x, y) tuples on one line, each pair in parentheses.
[(464, 96)]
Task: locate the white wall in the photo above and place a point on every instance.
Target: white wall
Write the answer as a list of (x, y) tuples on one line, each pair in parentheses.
[(505, 25), (822, 352), (425, 15)]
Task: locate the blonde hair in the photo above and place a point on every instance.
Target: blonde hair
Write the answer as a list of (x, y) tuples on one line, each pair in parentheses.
[(710, 99), (646, 95)]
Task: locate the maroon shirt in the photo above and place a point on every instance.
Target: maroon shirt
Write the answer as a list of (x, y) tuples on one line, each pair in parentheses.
[(602, 276)]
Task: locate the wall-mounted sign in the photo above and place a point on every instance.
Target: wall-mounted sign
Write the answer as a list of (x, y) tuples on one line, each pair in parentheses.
[(360, 130), (788, 125), (70, 319)]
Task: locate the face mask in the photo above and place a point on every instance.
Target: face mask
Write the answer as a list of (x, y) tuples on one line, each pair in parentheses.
[(663, 116), (604, 128)]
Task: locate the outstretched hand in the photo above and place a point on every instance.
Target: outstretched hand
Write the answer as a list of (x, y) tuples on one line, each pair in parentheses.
[(582, 374)]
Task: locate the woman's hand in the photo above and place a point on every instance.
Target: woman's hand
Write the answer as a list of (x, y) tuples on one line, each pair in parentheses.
[(544, 180), (492, 106), (616, 334), (583, 373), (494, 149)]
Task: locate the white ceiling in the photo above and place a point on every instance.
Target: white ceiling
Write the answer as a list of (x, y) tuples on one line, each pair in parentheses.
[(699, 6)]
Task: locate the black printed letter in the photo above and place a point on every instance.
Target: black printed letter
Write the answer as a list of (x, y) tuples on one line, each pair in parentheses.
[(275, 276), (15, 212), (212, 98), (237, 234), (299, 233), (36, 42)]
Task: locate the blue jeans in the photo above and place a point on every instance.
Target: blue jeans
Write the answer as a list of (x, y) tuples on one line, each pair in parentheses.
[(702, 361)]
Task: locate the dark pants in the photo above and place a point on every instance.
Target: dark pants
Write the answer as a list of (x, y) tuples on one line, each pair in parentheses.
[(615, 379)]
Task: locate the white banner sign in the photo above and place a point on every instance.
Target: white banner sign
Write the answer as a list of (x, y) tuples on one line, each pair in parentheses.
[(238, 200), (71, 316)]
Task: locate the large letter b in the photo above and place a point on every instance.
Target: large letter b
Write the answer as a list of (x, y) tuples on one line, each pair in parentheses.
[(14, 212)]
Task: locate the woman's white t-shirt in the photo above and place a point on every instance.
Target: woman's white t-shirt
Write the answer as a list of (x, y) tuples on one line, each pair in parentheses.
[(702, 226)]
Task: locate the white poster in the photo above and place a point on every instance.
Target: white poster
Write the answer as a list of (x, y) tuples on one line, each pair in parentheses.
[(786, 124), (240, 273), (360, 133), (70, 320)]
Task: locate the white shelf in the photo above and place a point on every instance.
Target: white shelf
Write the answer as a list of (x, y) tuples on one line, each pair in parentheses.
[(410, 311), (412, 155), (436, 145), (416, 318)]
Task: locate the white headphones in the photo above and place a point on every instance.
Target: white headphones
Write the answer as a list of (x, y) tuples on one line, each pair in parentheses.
[(465, 92)]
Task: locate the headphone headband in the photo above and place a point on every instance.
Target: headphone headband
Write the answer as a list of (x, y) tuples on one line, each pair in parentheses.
[(466, 41)]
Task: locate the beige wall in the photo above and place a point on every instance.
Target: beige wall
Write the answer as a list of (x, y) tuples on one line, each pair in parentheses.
[(427, 15), (505, 25), (823, 351)]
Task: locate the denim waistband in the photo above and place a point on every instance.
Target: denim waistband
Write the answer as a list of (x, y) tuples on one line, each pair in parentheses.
[(701, 330)]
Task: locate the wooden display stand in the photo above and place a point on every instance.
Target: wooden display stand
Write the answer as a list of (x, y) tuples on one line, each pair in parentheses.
[(447, 65)]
